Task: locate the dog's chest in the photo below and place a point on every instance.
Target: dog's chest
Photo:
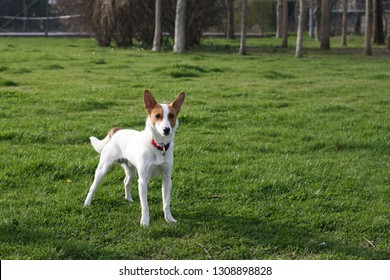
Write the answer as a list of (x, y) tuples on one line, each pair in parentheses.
[(158, 164), (158, 169)]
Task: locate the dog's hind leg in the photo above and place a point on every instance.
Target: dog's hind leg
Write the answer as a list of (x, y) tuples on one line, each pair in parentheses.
[(130, 172), (105, 164)]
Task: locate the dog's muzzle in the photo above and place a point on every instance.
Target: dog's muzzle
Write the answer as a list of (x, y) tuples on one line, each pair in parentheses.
[(166, 131)]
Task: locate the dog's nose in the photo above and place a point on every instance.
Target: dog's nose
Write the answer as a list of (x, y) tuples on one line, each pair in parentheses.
[(166, 130)]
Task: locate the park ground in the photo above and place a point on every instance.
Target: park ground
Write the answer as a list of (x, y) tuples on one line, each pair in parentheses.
[(275, 157)]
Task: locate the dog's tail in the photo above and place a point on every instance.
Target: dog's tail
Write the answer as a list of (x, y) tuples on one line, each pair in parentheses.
[(98, 145)]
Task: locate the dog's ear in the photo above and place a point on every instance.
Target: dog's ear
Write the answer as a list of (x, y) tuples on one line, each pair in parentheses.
[(149, 101), (176, 104)]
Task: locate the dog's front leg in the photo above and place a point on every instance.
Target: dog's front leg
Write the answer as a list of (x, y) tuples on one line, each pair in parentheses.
[(143, 182), (166, 194)]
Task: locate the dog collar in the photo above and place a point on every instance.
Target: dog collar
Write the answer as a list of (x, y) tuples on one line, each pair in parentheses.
[(162, 148)]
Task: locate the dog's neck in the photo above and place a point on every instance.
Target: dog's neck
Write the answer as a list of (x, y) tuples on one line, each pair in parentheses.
[(157, 137)]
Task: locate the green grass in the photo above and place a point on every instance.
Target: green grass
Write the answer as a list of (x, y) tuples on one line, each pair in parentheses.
[(275, 157)]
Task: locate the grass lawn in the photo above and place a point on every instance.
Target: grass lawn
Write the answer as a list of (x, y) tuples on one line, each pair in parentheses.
[(275, 157)]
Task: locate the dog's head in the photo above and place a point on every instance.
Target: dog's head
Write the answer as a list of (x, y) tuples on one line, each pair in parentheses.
[(163, 117)]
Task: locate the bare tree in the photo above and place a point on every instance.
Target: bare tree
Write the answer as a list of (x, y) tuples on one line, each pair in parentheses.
[(243, 27), (311, 19), (344, 23), (122, 21), (388, 35), (230, 19), (157, 28), (279, 18), (325, 24), (122, 29), (379, 35), (317, 19), (103, 22), (285, 24), (180, 27), (367, 35), (301, 24), (201, 15)]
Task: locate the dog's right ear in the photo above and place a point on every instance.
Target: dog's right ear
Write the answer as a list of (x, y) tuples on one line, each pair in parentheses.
[(149, 101)]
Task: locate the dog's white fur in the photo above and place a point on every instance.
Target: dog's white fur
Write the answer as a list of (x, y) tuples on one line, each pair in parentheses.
[(134, 151)]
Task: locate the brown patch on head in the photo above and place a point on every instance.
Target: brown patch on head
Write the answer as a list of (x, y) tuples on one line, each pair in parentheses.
[(113, 131), (174, 108), (176, 104), (172, 115), (156, 114)]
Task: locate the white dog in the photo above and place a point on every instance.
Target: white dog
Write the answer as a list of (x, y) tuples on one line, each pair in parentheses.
[(148, 152)]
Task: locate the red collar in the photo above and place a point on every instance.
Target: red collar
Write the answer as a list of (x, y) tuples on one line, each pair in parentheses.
[(162, 148)]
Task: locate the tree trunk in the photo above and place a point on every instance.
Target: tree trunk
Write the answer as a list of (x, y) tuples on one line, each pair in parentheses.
[(279, 19), (230, 19), (317, 19), (344, 23), (379, 36), (301, 24), (325, 23), (388, 34), (367, 35), (243, 27), (180, 27), (285, 25), (311, 21), (157, 28)]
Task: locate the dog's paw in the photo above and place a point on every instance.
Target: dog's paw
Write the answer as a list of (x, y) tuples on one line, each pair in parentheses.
[(170, 219), (87, 203), (144, 222), (129, 199)]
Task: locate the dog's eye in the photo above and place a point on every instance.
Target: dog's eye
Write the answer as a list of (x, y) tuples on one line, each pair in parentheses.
[(158, 116), (171, 116)]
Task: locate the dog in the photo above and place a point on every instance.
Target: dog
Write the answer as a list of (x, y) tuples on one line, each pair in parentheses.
[(148, 153)]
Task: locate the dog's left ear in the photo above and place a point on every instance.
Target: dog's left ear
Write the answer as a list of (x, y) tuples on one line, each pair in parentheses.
[(176, 104)]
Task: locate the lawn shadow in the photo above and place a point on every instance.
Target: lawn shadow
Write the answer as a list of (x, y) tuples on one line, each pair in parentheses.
[(278, 238), (51, 245)]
